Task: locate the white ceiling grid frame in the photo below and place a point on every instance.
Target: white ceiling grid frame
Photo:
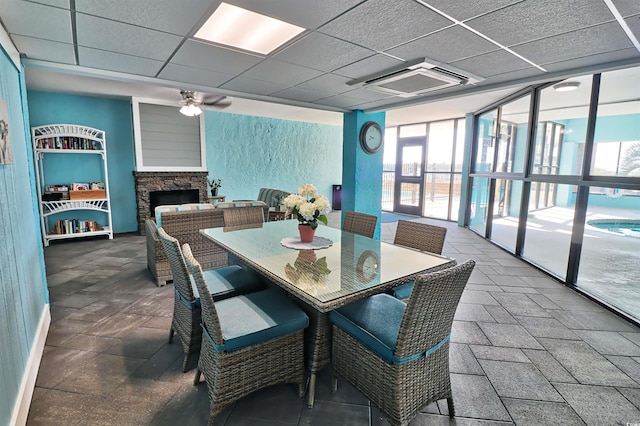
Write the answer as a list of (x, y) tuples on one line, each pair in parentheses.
[(623, 24), (478, 33)]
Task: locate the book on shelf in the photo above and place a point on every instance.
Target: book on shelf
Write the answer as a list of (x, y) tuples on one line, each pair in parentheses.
[(75, 226), (66, 142)]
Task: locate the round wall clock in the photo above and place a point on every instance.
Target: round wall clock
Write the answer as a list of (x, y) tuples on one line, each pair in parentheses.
[(371, 137), (367, 266)]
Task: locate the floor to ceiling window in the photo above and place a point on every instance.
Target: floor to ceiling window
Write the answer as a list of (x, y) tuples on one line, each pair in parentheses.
[(565, 194), (389, 167), (422, 172)]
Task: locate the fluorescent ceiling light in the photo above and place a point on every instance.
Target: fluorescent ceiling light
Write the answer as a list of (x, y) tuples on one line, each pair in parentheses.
[(567, 86), (236, 27), (190, 110)]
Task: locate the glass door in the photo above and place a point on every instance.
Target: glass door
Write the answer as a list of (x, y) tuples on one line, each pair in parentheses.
[(409, 181)]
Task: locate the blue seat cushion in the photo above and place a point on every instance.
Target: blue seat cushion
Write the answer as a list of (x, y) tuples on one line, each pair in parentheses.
[(257, 317), (403, 291), (229, 281), (373, 321)]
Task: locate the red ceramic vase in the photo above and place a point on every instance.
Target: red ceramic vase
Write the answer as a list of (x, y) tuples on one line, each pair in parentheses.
[(306, 233)]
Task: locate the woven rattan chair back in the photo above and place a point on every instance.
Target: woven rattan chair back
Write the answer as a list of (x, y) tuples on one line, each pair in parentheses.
[(186, 309), (244, 216), (402, 389), (209, 314), (179, 270), (430, 309), (360, 223), (233, 374), (420, 236)]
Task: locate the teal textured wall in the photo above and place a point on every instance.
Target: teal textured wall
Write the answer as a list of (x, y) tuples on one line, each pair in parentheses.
[(23, 292), (114, 117), (362, 172), (249, 153)]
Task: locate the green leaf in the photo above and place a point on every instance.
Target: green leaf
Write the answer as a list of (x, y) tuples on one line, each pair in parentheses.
[(322, 218)]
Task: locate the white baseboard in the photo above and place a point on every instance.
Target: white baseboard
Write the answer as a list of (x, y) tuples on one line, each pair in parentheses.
[(23, 402)]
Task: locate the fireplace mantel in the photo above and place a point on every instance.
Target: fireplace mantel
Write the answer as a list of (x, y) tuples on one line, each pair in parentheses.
[(146, 182)]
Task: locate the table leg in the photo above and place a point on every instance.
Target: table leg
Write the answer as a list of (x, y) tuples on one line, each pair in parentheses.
[(317, 346), (312, 390)]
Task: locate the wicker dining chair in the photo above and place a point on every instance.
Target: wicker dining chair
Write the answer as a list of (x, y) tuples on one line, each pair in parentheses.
[(245, 216), (419, 236), (360, 223), (250, 342), (223, 283), (402, 363)]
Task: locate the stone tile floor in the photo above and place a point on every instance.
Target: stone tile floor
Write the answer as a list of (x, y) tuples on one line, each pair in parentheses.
[(525, 350)]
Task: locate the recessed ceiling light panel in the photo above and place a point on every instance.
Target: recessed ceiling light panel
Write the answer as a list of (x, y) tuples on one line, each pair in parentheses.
[(243, 29)]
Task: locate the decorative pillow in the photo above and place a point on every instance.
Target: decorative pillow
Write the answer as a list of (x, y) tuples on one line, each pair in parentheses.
[(178, 208)]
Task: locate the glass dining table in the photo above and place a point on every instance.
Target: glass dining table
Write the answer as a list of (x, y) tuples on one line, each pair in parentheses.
[(350, 267)]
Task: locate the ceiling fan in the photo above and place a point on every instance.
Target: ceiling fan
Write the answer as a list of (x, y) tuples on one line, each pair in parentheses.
[(191, 102)]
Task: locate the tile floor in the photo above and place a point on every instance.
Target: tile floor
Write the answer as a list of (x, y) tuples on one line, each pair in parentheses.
[(525, 350)]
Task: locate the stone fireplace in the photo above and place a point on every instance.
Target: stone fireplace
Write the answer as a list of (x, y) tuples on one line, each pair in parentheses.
[(147, 182)]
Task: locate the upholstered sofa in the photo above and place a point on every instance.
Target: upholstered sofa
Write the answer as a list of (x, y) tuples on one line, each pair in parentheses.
[(184, 223), (268, 196)]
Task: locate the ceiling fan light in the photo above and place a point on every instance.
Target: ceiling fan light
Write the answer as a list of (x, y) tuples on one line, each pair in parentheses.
[(190, 110), (566, 86)]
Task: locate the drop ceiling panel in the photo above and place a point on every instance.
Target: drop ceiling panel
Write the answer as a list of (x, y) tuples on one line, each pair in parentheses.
[(340, 101), (515, 75), (205, 56), (280, 72), (591, 60), (45, 50), (381, 24), (258, 87), (371, 65), (576, 44), (297, 12), (488, 64), (124, 38), (533, 20), (193, 75), (64, 4), (36, 20), (101, 59), (627, 7), (367, 94), (322, 52), (298, 94), (463, 10), (447, 45), (634, 25), (163, 15), (329, 84)]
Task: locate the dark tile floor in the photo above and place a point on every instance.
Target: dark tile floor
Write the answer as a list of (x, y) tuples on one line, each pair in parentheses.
[(524, 350)]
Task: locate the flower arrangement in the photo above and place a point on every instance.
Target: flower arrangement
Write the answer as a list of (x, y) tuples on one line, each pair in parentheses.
[(215, 183), (308, 206)]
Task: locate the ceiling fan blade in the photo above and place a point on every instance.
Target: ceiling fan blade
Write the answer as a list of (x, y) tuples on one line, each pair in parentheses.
[(218, 102)]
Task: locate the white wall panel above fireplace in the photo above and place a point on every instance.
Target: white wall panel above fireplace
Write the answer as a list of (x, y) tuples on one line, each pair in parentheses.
[(166, 140)]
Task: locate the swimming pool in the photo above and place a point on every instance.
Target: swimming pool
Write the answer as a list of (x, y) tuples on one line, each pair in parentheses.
[(626, 227)]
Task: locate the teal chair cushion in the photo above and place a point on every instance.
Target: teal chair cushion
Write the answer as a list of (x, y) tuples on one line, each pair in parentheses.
[(373, 321), (403, 291), (229, 281), (257, 317)]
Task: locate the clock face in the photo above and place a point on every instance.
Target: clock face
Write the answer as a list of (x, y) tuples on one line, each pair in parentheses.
[(367, 267), (371, 137)]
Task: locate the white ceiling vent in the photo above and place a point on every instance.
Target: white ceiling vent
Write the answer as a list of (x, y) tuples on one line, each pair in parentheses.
[(417, 79)]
